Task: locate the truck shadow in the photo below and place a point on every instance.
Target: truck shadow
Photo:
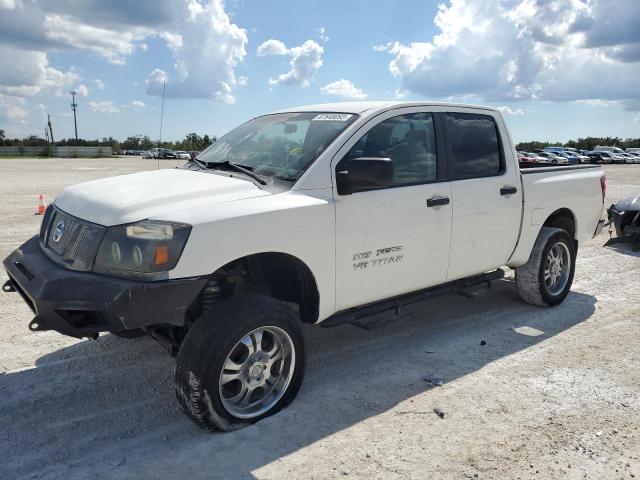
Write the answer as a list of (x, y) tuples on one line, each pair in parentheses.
[(625, 248), (106, 408)]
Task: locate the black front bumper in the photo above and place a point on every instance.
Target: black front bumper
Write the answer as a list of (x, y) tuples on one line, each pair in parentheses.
[(81, 304)]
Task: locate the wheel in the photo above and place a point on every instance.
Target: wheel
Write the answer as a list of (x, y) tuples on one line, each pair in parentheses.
[(240, 362), (546, 279)]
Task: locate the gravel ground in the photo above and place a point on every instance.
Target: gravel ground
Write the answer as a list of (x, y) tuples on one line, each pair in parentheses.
[(526, 392)]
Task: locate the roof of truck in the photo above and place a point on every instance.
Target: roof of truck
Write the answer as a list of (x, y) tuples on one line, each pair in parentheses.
[(373, 106)]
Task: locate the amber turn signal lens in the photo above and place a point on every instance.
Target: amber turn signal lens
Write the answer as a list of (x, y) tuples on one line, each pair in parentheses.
[(162, 255)]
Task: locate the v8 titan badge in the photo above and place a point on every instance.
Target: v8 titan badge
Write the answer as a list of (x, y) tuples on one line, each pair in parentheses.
[(377, 258)]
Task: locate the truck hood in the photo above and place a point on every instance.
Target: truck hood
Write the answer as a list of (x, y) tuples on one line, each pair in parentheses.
[(130, 198)]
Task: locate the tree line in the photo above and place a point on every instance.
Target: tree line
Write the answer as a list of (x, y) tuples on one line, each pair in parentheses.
[(190, 142), (587, 143), (193, 141)]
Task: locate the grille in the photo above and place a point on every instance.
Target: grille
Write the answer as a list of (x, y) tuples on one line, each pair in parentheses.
[(72, 234), (72, 241)]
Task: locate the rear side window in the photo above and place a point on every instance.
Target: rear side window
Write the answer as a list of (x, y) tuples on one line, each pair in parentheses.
[(474, 145)]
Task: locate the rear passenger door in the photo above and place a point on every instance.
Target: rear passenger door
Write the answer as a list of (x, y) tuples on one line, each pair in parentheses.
[(486, 193)]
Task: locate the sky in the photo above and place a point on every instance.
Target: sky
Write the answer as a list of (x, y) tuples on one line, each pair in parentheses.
[(558, 69)]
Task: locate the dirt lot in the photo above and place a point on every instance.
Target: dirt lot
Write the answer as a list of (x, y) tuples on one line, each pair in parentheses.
[(553, 393)]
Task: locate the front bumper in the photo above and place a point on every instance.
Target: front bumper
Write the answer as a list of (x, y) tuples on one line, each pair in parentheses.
[(82, 304)]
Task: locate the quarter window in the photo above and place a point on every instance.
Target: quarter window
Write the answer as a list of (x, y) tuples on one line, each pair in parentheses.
[(474, 145), (408, 140)]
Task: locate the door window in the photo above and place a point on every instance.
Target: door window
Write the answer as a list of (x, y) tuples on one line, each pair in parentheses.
[(408, 140), (474, 145)]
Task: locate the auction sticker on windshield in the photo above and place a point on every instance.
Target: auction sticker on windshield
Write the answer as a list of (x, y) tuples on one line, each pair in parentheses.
[(340, 117)]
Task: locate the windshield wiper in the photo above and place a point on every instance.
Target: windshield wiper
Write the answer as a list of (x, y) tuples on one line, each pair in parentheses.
[(238, 168)]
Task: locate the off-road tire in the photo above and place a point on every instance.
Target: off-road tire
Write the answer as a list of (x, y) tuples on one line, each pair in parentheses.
[(205, 349), (530, 276)]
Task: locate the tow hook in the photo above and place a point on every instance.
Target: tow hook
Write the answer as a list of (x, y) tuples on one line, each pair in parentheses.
[(36, 325), (8, 287)]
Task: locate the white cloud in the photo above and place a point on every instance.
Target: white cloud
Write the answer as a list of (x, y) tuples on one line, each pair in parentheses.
[(525, 49), (82, 90), (138, 104), (271, 47), (205, 44), (509, 111), (9, 4), (343, 88), (242, 81), (322, 35), (206, 47), (99, 84), (104, 107), (111, 45), (12, 110), (31, 74), (304, 63)]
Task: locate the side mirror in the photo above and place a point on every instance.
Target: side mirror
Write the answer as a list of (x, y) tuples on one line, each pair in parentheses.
[(365, 173)]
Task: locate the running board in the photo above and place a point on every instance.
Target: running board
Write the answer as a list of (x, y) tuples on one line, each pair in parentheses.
[(374, 315)]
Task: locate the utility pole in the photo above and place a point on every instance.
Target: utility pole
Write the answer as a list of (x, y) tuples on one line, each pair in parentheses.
[(164, 86), (51, 129), (74, 105)]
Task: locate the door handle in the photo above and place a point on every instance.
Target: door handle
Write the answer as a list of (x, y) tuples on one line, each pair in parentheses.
[(437, 201), (508, 190)]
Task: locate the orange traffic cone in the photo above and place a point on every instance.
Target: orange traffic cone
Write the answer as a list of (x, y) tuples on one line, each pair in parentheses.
[(41, 205)]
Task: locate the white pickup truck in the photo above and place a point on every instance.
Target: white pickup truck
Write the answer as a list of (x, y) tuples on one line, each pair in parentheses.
[(321, 214)]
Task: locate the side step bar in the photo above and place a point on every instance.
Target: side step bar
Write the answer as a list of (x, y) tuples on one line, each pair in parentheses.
[(377, 314)]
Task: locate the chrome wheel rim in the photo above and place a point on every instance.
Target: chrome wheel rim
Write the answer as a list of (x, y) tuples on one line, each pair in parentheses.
[(257, 372), (556, 268)]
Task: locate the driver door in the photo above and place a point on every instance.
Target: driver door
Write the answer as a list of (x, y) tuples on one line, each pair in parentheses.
[(393, 240)]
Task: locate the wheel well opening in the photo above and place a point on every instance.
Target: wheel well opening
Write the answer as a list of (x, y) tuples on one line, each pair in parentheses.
[(562, 218), (279, 275)]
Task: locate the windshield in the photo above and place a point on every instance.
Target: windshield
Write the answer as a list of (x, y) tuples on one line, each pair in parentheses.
[(282, 145)]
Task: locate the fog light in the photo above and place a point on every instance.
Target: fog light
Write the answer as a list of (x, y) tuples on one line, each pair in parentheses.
[(115, 253), (137, 255)]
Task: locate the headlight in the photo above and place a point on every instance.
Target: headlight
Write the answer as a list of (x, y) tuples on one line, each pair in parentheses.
[(146, 248)]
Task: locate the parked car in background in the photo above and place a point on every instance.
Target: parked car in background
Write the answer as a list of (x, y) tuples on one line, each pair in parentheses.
[(524, 157), (563, 152), (531, 158), (554, 157), (599, 157), (635, 155), (605, 156), (582, 158), (617, 154), (182, 155), (629, 158), (634, 151), (162, 153), (604, 148), (146, 154), (572, 157), (538, 158)]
